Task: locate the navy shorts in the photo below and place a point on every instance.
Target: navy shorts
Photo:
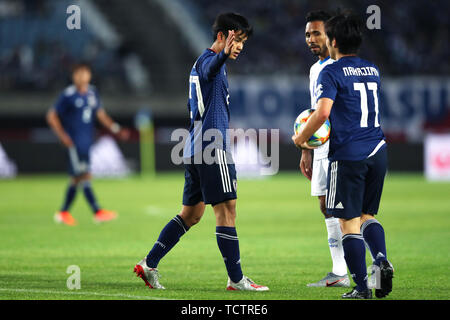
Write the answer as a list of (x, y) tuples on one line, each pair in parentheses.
[(79, 162), (211, 183), (355, 187)]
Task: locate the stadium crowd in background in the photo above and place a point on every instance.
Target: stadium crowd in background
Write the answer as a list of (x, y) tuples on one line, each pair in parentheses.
[(403, 48), (36, 55)]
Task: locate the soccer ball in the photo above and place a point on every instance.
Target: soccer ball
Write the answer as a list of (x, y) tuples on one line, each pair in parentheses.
[(320, 136)]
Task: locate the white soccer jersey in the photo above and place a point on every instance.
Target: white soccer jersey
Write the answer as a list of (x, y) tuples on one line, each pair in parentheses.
[(322, 151)]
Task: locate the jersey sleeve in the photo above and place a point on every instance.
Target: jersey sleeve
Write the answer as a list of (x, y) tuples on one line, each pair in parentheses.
[(326, 85), (61, 104), (210, 66)]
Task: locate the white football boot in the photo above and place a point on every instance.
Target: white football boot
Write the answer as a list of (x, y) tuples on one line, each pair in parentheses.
[(149, 275), (246, 284)]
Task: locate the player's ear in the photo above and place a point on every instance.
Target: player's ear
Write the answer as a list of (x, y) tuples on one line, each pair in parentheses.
[(220, 36)]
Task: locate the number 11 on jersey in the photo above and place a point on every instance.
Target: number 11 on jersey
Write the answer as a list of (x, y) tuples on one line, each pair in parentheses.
[(372, 86)]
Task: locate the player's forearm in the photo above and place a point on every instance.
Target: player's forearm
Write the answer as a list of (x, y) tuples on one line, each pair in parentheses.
[(214, 65), (108, 122), (319, 116), (55, 124)]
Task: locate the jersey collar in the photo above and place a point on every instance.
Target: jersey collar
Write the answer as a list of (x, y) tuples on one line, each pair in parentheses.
[(322, 61)]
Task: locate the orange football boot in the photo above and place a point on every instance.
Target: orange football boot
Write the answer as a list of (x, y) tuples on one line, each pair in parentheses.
[(65, 217), (103, 215)]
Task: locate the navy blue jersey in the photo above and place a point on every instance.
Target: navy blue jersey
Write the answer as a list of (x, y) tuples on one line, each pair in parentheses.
[(353, 84), (77, 113), (208, 101)]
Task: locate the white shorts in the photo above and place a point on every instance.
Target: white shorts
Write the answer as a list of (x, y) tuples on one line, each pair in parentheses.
[(319, 177)]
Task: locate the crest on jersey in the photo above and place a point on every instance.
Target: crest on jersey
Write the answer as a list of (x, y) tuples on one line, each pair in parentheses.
[(79, 102)]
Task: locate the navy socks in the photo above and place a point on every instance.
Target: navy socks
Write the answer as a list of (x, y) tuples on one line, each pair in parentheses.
[(355, 257), (69, 197), (228, 243), (168, 238), (373, 234), (89, 194)]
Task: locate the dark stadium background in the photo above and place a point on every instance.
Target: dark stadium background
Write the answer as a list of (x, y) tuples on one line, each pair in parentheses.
[(142, 54)]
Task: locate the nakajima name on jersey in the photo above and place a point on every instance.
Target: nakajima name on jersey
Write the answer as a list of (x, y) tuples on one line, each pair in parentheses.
[(362, 71)]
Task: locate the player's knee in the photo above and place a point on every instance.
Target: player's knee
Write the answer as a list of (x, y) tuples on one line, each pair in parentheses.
[(192, 220), (365, 217), (225, 213), (230, 211), (76, 181), (81, 179), (350, 225), (192, 215)]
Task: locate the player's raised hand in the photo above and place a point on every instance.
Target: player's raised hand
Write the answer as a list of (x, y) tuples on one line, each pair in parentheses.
[(229, 42)]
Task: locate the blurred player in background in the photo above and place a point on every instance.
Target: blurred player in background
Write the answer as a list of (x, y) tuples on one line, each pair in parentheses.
[(72, 120), (316, 170), (348, 92), (214, 183)]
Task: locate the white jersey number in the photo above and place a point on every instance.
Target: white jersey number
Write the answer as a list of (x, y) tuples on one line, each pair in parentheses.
[(195, 82), (87, 115), (372, 86)]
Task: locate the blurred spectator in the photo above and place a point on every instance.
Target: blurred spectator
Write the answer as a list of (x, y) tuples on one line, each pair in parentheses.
[(413, 35), (37, 50)]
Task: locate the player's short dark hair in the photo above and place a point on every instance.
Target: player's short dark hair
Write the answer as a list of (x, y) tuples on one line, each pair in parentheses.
[(317, 15), (231, 21), (81, 65), (346, 29)]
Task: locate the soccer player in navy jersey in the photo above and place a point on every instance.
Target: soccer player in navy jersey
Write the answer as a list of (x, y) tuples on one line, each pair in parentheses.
[(208, 183), (72, 120), (316, 168), (348, 96)]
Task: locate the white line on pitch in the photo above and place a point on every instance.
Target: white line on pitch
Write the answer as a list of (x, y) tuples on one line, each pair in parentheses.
[(118, 295)]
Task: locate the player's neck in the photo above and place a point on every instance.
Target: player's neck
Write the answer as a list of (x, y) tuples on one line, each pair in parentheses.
[(216, 47), (82, 88), (321, 58), (340, 55)]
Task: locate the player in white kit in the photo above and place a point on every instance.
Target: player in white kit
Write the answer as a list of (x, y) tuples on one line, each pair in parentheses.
[(315, 168)]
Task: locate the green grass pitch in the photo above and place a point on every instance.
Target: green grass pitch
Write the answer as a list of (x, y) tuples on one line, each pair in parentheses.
[(282, 238)]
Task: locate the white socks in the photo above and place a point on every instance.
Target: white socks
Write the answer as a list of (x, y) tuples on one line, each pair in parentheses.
[(335, 244)]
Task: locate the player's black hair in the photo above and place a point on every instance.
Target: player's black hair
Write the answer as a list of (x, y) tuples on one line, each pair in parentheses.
[(346, 28), (231, 21), (81, 65), (317, 15)]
